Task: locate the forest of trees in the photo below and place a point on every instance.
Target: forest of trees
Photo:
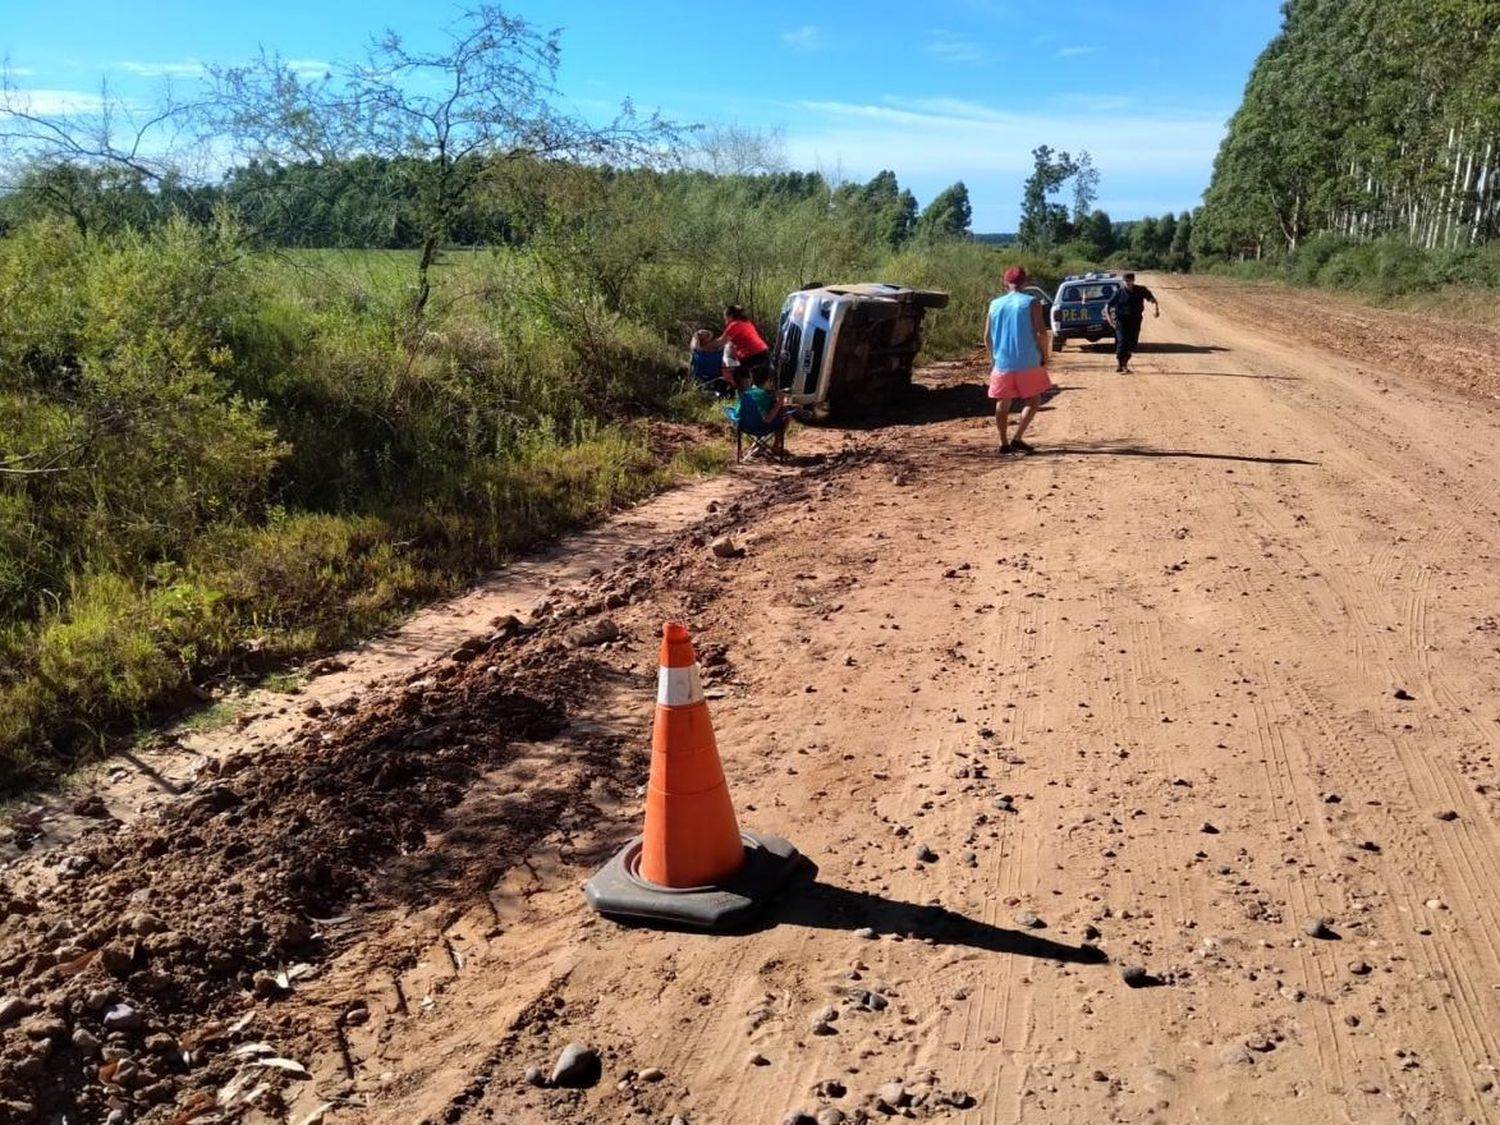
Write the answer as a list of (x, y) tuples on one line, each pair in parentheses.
[(1046, 223), (1363, 119), (1157, 242), (1079, 231), (375, 202)]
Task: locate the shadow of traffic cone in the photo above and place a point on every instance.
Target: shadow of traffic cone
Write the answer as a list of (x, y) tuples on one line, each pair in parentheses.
[(692, 866)]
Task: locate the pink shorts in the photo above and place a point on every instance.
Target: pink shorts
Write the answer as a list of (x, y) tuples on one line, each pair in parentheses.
[(1019, 384)]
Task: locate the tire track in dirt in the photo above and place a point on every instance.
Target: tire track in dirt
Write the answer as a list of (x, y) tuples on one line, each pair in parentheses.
[(1423, 777), (1286, 784)]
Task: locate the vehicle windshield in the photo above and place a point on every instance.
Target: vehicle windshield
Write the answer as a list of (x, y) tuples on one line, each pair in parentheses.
[(1088, 292)]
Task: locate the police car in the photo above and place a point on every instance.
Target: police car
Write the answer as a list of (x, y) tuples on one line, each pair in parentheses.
[(1078, 310), (849, 349)]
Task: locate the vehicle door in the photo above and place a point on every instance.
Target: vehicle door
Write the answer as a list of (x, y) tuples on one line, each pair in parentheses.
[(1070, 311), (1095, 297)]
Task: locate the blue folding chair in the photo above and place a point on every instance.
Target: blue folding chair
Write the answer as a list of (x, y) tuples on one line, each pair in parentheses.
[(747, 422)]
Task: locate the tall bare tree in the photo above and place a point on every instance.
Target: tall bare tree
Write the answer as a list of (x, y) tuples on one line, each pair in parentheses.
[(486, 97)]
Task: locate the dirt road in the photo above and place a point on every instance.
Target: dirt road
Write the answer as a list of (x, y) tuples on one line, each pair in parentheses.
[(1218, 661)]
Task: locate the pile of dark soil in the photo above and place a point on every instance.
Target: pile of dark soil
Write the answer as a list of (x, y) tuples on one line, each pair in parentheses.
[(118, 984)]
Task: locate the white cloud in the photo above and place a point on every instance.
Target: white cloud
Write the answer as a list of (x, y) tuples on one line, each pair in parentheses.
[(308, 68), (805, 38), (52, 103), (960, 108), (952, 47), (192, 68), (1075, 52), (931, 134)]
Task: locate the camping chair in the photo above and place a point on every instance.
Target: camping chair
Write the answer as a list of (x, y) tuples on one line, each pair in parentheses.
[(747, 422)]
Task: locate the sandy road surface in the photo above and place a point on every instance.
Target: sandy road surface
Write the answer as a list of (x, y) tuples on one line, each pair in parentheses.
[(1174, 638)]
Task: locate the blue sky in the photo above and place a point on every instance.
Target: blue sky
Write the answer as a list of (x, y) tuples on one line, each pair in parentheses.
[(938, 92)]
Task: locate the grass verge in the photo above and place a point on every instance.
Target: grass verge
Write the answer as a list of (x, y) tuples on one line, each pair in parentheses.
[(249, 601)]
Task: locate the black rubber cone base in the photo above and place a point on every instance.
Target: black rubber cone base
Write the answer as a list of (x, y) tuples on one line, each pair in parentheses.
[(618, 891)]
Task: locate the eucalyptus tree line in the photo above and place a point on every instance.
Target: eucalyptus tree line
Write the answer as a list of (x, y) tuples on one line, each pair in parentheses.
[(1365, 118)]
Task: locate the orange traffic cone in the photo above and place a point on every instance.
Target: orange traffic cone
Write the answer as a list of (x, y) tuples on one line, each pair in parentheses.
[(692, 838), (693, 866)]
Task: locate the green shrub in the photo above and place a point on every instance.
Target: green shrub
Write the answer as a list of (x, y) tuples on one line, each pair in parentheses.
[(111, 649), (1350, 266), (1382, 270), (1314, 256)]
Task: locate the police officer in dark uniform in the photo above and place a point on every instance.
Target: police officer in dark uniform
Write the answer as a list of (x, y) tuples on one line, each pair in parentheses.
[(1124, 311)]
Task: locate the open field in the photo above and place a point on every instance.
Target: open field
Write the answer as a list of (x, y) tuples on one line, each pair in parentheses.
[(1216, 662)]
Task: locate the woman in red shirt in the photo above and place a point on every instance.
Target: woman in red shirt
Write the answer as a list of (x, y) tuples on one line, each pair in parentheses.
[(740, 334)]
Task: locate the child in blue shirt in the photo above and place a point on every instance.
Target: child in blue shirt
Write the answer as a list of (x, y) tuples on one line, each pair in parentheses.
[(772, 407)]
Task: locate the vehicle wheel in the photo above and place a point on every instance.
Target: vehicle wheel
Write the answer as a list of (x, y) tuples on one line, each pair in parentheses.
[(1057, 343)]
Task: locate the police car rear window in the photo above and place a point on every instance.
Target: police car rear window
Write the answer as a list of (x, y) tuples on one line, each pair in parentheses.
[(1088, 292)]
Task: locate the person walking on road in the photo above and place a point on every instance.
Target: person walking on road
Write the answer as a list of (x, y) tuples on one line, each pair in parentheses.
[(1017, 339), (1124, 310)]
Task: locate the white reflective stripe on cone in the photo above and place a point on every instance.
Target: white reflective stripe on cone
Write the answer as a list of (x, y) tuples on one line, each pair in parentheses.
[(679, 687)]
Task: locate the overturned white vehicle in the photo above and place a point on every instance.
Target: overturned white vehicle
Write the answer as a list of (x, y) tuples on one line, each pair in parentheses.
[(843, 350)]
